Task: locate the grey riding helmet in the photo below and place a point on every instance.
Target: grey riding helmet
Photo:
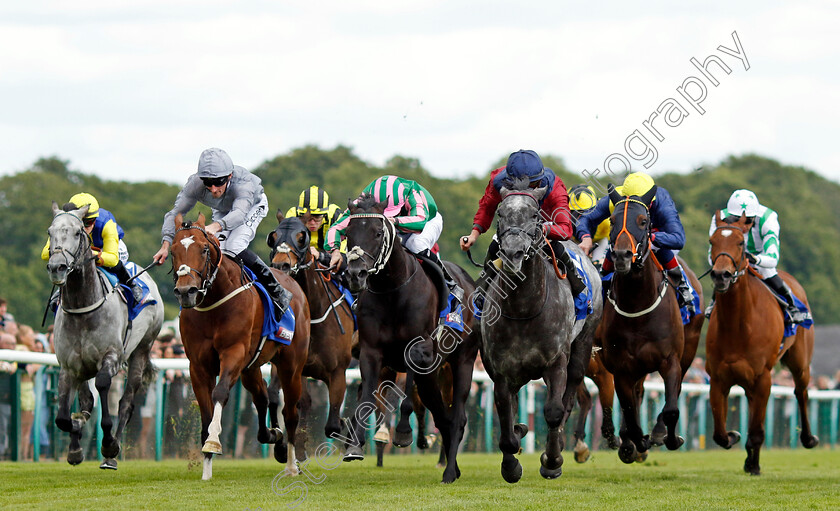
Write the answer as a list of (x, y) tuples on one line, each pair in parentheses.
[(214, 162)]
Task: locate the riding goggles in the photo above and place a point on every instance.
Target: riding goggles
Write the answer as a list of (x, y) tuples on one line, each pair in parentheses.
[(214, 181)]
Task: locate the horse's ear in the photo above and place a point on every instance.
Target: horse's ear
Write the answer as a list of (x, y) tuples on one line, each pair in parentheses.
[(504, 191), (648, 197), (380, 206), (271, 239), (614, 195), (718, 220), (351, 205), (200, 221), (55, 208), (280, 216), (82, 211), (179, 219), (539, 193)]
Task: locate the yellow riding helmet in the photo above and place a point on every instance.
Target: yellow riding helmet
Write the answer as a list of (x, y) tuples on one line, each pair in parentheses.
[(314, 201), (582, 198), (81, 200), (637, 183)]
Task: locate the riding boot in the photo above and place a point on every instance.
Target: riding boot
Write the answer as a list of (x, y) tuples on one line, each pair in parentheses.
[(685, 297), (709, 308), (265, 276), (575, 280), (778, 285), (453, 286), (122, 274)]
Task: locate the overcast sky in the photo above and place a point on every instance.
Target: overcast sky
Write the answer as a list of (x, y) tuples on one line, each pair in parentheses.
[(135, 90)]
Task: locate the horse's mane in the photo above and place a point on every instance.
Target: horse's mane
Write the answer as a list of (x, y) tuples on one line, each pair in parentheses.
[(366, 201), (731, 219), (518, 184)]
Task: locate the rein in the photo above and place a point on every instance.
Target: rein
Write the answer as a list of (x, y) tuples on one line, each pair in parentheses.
[(388, 243), (637, 245), (206, 282)]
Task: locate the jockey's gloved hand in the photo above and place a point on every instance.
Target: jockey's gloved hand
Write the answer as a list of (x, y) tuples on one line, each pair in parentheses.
[(751, 258)]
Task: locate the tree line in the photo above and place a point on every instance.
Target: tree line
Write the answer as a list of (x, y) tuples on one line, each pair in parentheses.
[(808, 207)]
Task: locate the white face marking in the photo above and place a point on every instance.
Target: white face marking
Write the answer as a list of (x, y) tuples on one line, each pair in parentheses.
[(187, 242), (726, 233)]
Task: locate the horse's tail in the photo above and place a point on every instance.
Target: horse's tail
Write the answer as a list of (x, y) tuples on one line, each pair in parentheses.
[(149, 372)]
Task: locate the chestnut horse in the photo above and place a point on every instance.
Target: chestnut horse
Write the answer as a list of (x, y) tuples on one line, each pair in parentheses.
[(331, 335), (397, 312), (642, 330), (746, 338), (221, 327)]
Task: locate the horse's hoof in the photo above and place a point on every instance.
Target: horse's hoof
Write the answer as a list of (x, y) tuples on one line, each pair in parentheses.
[(383, 436), (657, 438), (512, 473), (613, 442), (281, 452), (402, 438), (645, 444), (422, 443), (353, 453), (551, 464), (734, 438), (521, 430), (75, 457), (676, 444), (275, 435), (627, 452), (641, 456), (810, 442), (109, 464), (212, 447), (551, 474), (449, 477), (753, 470), (581, 452), (111, 451)]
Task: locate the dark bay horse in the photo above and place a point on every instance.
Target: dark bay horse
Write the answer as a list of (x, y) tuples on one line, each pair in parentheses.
[(397, 313), (534, 334), (332, 325), (221, 325), (642, 331), (746, 338), (92, 336)]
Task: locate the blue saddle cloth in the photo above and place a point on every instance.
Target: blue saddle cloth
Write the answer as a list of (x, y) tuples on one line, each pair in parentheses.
[(790, 326), (583, 301), (134, 307), (278, 329), (453, 318), (686, 317)]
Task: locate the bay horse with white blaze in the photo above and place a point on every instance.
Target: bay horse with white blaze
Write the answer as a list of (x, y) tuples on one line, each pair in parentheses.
[(746, 338), (535, 333), (642, 330), (332, 326), (397, 312), (221, 327), (94, 337)]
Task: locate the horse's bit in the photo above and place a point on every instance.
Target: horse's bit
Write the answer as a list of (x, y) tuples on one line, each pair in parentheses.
[(387, 247), (637, 249), (533, 235), (738, 270), (183, 270)]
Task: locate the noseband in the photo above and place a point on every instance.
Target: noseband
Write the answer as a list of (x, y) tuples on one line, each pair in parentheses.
[(285, 233), (205, 276), (534, 233), (385, 249), (639, 252)]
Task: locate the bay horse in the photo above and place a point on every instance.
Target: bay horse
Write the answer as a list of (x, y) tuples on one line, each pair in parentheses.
[(746, 338), (532, 333), (642, 330), (332, 327), (397, 313), (221, 325), (94, 337), (603, 380)]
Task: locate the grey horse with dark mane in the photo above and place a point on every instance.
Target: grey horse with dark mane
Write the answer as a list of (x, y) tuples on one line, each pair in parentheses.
[(529, 329), (93, 335)]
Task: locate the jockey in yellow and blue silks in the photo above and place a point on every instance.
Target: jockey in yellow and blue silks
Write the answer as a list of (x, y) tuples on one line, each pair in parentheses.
[(582, 200), (318, 215), (667, 233), (106, 238)]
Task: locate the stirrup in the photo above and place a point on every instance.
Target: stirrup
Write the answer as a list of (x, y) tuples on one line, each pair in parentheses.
[(708, 312), (456, 291)]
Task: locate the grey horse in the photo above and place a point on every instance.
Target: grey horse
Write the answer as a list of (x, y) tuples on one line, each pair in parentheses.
[(529, 329), (92, 335)]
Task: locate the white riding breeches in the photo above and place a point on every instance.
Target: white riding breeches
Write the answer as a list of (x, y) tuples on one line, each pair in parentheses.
[(237, 239), (426, 239)]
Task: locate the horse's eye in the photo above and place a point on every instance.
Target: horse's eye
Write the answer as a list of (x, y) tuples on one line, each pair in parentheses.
[(379, 234)]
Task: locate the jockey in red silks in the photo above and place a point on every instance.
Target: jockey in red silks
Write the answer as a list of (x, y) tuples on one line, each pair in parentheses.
[(554, 209)]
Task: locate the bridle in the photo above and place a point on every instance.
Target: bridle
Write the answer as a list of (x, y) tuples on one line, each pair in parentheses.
[(388, 242), (209, 271), (534, 233), (640, 252), (77, 261), (286, 248), (739, 271)]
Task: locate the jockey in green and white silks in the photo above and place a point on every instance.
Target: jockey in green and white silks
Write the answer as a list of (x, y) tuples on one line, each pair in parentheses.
[(762, 244)]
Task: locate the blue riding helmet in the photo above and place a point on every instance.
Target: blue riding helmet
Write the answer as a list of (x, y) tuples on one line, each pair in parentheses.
[(525, 163)]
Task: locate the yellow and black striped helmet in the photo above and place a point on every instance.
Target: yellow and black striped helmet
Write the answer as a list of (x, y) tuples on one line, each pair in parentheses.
[(314, 201)]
